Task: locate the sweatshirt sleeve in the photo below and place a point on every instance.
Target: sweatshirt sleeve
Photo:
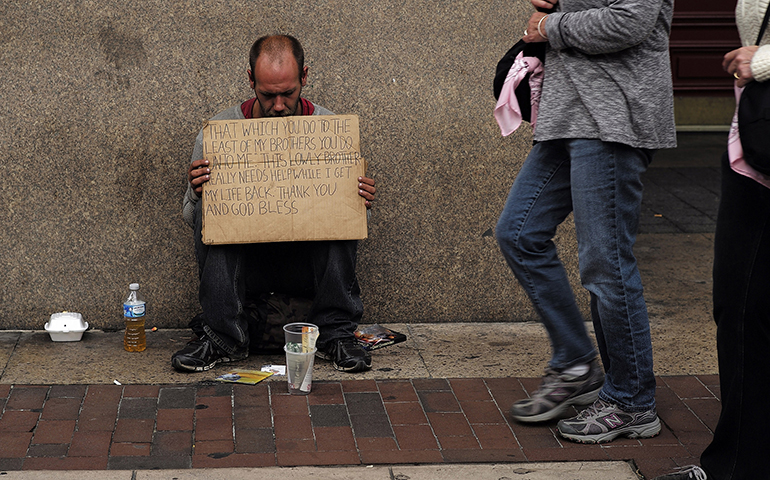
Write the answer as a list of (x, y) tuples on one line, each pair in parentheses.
[(616, 27), (190, 197)]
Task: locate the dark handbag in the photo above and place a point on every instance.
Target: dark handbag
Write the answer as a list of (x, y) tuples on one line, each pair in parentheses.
[(754, 120), (504, 65)]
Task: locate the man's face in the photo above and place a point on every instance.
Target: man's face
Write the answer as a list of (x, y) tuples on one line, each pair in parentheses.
[(278, 85)]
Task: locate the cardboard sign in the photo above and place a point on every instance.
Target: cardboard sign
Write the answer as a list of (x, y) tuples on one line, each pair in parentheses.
[(283, 179)]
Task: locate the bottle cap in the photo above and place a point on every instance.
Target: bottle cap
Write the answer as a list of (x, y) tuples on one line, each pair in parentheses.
[(133, 286)]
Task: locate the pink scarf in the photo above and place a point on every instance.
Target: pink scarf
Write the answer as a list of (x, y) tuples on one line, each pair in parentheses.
[(735, 149), (507, 110)]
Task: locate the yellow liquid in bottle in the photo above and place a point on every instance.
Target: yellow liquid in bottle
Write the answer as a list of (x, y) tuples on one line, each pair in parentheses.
[(134, 339)]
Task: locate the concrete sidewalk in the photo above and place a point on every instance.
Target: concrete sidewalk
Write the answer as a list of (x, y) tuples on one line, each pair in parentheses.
[(675, 268), (530, 471)]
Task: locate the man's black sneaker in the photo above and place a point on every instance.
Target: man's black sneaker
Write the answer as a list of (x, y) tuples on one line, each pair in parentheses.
[(347, 354), (200, 355)]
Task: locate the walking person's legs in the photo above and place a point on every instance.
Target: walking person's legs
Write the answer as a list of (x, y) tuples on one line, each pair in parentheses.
[(538, 202), (606, 194)]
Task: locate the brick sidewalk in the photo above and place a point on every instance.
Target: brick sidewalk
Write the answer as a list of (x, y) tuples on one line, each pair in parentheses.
[(97, 427)]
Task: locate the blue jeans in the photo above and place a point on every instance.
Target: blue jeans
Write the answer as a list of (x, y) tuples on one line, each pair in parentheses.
[(600, 184), (324, 271)]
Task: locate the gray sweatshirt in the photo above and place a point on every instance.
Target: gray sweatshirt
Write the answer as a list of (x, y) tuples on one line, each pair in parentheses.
[(232, 113), (608, 73)]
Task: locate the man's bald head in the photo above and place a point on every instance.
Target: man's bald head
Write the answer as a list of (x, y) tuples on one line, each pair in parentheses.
[(274, 47)]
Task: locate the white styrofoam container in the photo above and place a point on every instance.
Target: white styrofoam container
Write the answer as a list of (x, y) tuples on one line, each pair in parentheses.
[(66, 327)]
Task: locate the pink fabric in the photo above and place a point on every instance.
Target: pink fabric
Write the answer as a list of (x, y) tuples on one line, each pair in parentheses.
[(507, 110), (735, 149)]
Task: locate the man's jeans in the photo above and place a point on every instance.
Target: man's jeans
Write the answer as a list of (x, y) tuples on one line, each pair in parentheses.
[(324, 271), (600, 184)]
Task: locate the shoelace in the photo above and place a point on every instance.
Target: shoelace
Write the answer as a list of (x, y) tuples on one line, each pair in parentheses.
[(594, 409), (551, 376), (693, 470)]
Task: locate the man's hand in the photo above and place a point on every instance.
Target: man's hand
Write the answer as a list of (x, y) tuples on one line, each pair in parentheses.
[(366, 189), (198, 174), (738, 63)]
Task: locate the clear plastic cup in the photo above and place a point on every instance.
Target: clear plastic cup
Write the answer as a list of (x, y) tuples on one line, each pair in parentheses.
[(299, 371), (300, 337)]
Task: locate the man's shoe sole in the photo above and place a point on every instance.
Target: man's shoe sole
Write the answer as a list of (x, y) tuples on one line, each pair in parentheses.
[(358, 367), (181, 367), (585, 399), (648, 430)]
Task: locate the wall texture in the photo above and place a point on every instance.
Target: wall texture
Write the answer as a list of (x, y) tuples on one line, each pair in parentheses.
[(101, 101)]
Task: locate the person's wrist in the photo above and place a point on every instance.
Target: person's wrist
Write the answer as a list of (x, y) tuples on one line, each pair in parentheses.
[(539, 27)]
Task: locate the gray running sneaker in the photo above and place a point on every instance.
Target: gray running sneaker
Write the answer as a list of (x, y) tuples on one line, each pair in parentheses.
[(557, 392), (602, 422), (685, 473)]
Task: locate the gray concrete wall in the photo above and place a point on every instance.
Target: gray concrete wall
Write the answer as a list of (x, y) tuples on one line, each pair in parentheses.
[(101, 101)]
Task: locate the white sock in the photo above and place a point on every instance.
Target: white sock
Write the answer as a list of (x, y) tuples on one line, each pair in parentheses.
[(577, 370)]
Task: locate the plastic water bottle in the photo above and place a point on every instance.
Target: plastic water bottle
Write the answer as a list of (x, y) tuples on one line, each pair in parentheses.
[(134, 309)]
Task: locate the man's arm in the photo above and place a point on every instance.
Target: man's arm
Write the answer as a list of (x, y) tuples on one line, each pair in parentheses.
[(195, 172)]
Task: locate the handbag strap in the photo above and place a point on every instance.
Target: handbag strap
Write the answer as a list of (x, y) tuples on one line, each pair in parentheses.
[(764, 25)]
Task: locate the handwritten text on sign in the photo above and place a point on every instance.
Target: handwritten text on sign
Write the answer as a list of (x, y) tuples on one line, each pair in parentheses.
[(283, 179)]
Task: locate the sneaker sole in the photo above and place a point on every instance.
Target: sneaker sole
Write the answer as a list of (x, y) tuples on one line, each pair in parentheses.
[(648, 430), (585, 399), (181, 367), (358, 367)]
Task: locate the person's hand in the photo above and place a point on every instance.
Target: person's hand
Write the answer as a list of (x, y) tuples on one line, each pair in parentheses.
[(198, 174), (544, 4), (366, 189), (533, 34), (738, 64)]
